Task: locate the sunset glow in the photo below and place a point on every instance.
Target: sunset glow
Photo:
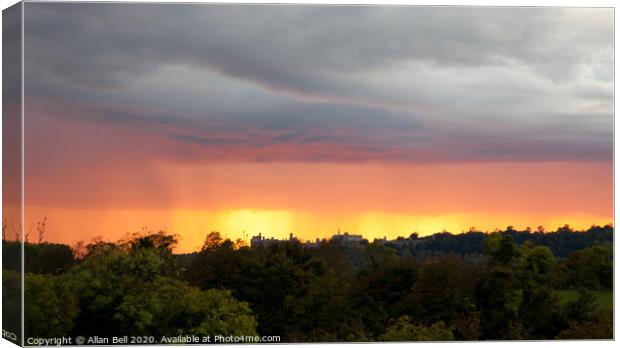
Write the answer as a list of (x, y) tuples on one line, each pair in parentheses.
[(277, 223), (314, 201), (274, 127)]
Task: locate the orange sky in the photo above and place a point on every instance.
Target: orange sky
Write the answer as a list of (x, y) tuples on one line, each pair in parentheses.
[(314, 200)]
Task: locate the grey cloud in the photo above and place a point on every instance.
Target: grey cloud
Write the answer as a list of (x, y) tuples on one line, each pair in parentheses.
[(401, 79), (296, 46), (11, 55)]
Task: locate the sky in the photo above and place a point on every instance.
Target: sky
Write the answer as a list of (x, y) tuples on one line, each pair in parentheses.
[(280, 119)]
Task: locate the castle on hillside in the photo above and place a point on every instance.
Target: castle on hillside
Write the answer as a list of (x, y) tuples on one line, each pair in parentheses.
[(344, 239), (347, 238), (260, 240)]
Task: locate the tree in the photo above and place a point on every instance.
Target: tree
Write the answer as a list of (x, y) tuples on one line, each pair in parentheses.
[(129, 287), (50, 308), (380, 290), (497, 293), (294, 293), (212, 241), (498, 298), (221, 265), (168, 306), (323, 311), (47, 258), (377, 254), (586, 320), (602, 328), (539, 311), (467, 326), (389, 284), (403, 329), (501, 250), (591, 268), (444, 289), (145, 239), (581, 309), (11, 300), (537, 263)]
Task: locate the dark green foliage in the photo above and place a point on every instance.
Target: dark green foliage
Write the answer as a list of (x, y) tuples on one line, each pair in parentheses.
[(47, 258), (403, 329), (50, 306), (293, 293), (420, 288), (539, 311), (590, 268), (383, 292), (464, 244), (11, 255), (498, 298), (443, 291), (561, 242), (600, 327), (582, 309), (587, 318), (564, 240), (501, 250), (42, 258), (130, 287), (390, 282), (537, 263), (11, 301), (168, 306), (356, 292)]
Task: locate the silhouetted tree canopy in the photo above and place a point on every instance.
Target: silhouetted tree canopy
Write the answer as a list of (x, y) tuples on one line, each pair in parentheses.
[(507, 284)]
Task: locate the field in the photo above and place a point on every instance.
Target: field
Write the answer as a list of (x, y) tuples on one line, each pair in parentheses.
[(604, 298)]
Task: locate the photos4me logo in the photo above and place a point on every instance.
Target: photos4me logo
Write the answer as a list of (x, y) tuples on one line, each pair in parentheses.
[(9, 335)]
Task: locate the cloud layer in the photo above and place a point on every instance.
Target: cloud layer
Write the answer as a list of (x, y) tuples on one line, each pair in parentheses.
[(326, 83)]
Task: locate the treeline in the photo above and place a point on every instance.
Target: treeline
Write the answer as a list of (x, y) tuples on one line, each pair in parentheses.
[(562, 242), (55, 258), (515, 289)]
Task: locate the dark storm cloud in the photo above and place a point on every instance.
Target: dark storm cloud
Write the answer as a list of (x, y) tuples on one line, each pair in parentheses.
[(99, 42), (414, 83)]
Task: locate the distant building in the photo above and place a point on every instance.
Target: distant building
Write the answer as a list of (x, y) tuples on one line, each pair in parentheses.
[(260, 240), (347, 238)]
